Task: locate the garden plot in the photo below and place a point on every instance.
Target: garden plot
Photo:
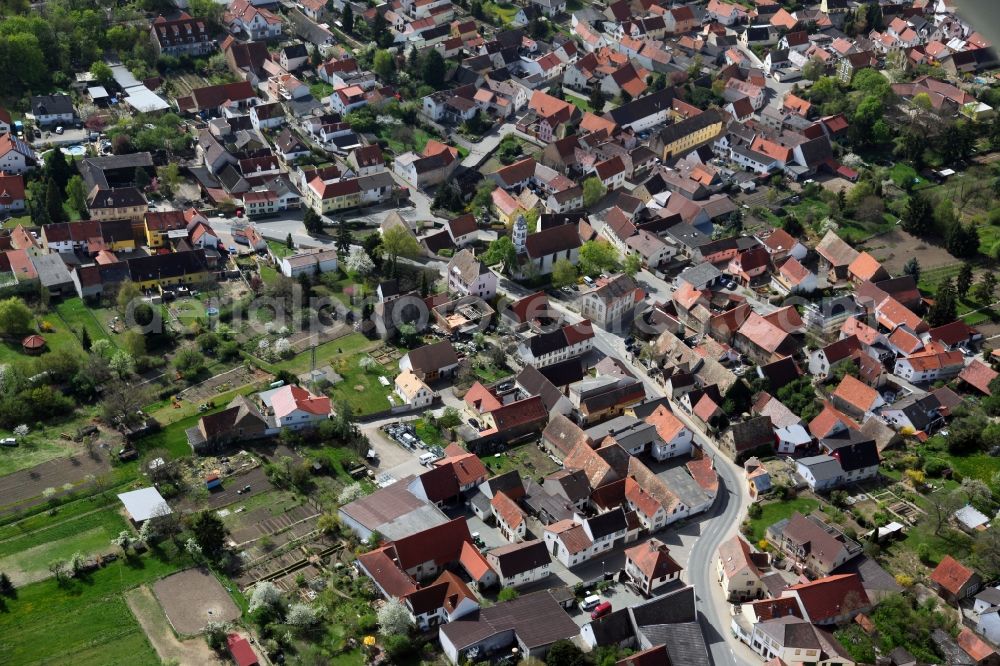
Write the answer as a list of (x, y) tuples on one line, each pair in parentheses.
[(193, 598), (260, 523), (303, 340), (227, 381)]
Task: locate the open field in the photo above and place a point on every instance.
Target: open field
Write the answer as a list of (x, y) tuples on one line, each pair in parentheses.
[(81, 621), (59, 336), (75, 314), (25, 557), (192, 598), (25, 484), (151, 618)]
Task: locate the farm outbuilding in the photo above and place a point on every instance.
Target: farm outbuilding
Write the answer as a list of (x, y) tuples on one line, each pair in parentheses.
[(143, 504)]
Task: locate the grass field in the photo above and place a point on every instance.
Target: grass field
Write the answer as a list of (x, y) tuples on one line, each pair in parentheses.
[(320, 90), (77, 316), (280, 250), (38, 450), (428, 434), (83, 621), (59, 337), (26, 557), (772, 513), (172, 437), (502, 11), (399, 141), (325, 353), (527, 459)]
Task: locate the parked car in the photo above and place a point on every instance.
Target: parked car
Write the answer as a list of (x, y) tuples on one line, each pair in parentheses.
[(601, 610), (8, 441), (590, 603)]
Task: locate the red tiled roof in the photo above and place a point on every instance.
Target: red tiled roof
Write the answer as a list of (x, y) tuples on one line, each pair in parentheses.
[(653, 559), (573, 536), (241, 651), (856, 393), (667, 425), (829, 597), (703, 472), (865, 267), (974, 646), (823, 423), (441, 543), (520, 413), (769, 609), (507, 510), (578, 332), (11, 189), (387, 573), (482, 399), (978, 375), (473, 561), (530, 307), (951, 575)]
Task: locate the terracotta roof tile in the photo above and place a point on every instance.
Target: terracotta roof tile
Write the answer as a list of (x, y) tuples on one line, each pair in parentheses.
[(951, 575)]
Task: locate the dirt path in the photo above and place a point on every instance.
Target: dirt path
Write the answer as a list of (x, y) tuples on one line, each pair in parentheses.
[(150, 616)]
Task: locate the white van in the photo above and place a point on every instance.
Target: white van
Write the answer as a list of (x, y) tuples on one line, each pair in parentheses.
[(427, 458), (590, 603)]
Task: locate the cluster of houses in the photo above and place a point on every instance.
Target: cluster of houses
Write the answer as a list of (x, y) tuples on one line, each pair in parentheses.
[(123, 239), (603, 498), (788, 613)]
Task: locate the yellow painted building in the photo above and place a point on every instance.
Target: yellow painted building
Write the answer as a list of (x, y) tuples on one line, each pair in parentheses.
[(325, 197), (506, 207), (156, 226), (123, 203), (685, 135)]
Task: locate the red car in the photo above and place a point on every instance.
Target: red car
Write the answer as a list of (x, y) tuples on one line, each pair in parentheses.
[(601, 610)]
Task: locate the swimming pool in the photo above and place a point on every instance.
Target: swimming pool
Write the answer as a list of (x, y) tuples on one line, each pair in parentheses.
[(74, 150)]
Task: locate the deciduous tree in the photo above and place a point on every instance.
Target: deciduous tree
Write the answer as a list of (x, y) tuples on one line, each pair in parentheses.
[(15, 317)]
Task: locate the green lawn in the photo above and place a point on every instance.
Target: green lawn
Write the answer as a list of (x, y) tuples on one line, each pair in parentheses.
[(431, 436), (989, 238), (931, 278), (36, 450), (83, 621), (581, 103), (399, 143), (325, 353), (359, 388), (280, 250), (775, 511), (13, 222), (77, 316), (974, 465), (59, 337), (320, 90), (30, 553), (528, 459), (502, 11), (902, 173), (172, 437), (268, 274), (490, 373), (101, 512)]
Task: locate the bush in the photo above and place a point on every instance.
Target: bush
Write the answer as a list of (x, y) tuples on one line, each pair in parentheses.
[(755, 511), (924, 554), (935, 467), (397, 646)]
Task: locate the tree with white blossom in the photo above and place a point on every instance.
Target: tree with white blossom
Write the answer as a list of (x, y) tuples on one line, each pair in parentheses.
[(359, 262), (394, 619)]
